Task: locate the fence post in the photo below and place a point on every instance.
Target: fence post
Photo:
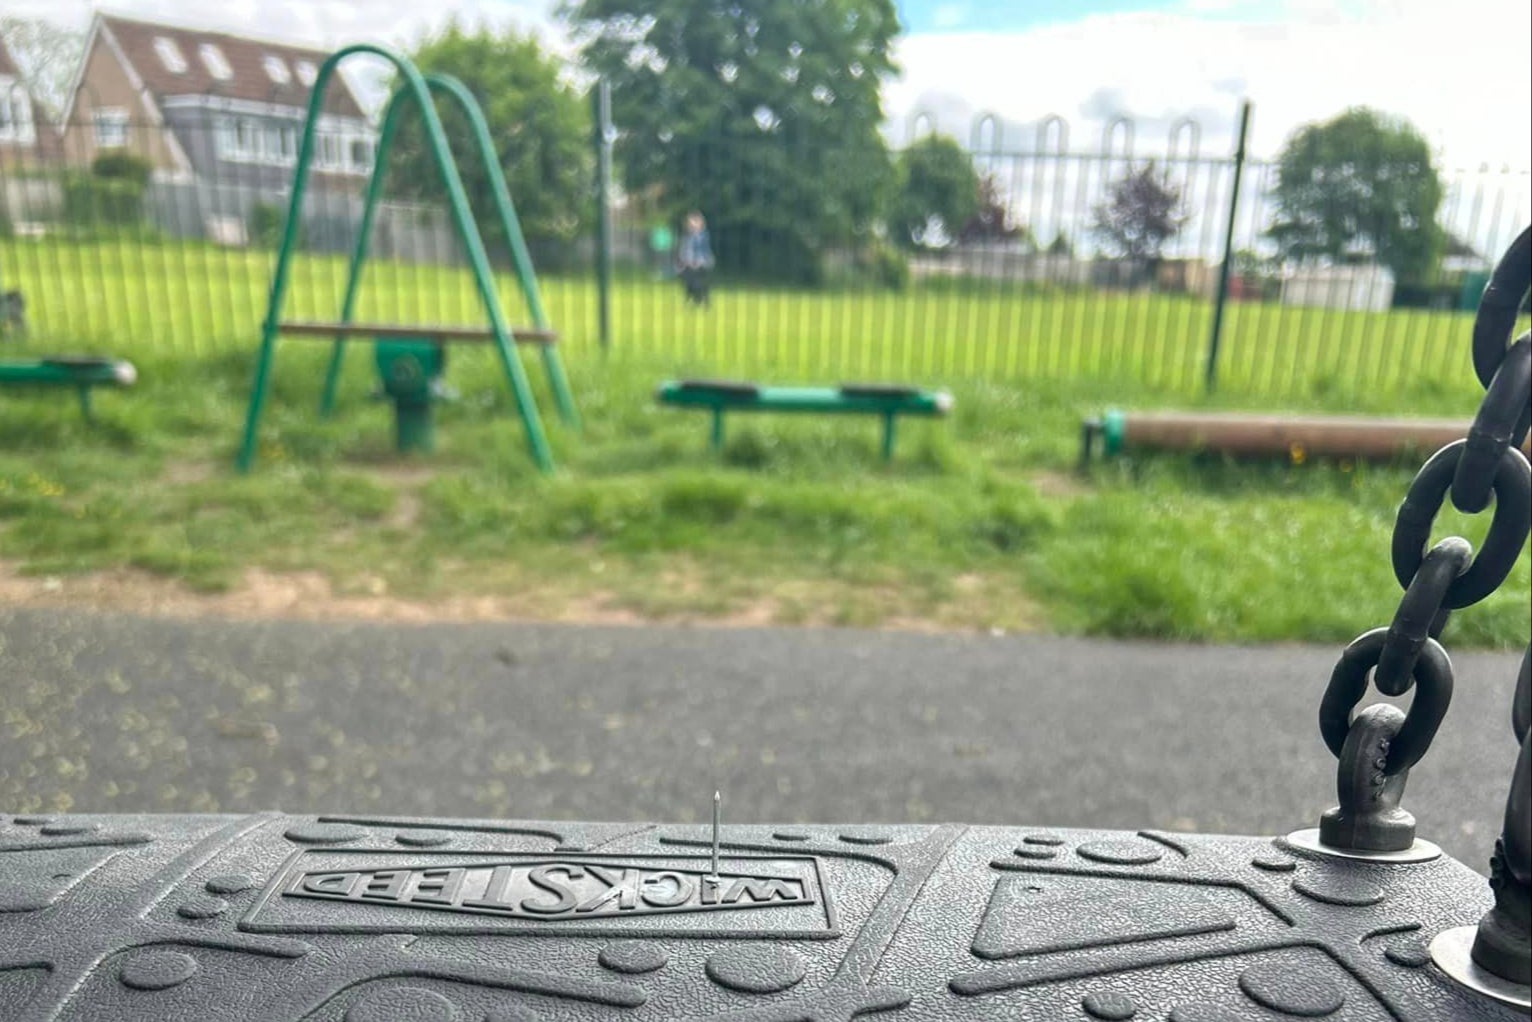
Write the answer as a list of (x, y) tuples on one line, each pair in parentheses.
[(602, 118), (1228, 249)]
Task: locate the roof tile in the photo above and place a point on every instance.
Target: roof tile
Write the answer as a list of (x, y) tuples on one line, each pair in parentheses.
[(246, 58)]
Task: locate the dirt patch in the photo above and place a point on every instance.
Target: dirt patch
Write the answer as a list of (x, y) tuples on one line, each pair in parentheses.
[(187, 473), (311, 596), (1065, 485)]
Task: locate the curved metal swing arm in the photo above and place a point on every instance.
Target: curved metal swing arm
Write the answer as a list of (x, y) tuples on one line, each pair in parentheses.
[(415, 85)]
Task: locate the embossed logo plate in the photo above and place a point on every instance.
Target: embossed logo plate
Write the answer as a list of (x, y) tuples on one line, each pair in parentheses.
[(359, 891)]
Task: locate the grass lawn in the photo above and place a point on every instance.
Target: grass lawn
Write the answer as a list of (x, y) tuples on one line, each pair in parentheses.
[(979, 523)]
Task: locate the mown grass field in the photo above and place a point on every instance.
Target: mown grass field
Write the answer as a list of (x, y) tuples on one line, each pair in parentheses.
[(981, 521)]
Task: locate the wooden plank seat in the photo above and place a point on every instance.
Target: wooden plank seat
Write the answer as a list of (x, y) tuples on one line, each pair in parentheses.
[(441, 334), (887, 401)]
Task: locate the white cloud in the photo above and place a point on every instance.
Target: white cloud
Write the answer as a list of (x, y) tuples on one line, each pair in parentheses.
[(1459, 75), (1460, 79)]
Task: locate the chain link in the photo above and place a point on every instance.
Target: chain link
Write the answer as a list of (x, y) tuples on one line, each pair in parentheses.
[(1376, 746)]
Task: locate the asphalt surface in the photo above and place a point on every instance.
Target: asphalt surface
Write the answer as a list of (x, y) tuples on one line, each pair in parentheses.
[(112, 713)]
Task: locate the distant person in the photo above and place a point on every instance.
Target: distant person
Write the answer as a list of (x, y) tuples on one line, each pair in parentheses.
[(694, 259)]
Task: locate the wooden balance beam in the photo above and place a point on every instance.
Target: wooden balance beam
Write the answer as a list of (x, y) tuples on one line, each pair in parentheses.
[(80, 373), (440, 334), (1268, 435), (888, 402)]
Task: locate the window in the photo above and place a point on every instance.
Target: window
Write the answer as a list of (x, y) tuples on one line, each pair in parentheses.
[(170, 54), (216, 63), (307, 72), (328, 154), (111, 124), (276, 69), (225, 139), (361, 155), (15, 113), (270, 143)]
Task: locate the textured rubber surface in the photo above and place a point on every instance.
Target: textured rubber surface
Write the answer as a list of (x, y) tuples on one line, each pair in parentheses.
[(275, 917)]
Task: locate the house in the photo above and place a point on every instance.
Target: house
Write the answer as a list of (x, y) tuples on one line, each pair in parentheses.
[(209, 105), (19, 136)]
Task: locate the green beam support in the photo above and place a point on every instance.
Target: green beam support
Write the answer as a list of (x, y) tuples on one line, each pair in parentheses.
[(601, 117), (457, 200), (1210, 377), (505, 209), (359, 252)]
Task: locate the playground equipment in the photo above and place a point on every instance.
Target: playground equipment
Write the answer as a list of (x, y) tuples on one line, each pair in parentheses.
[(82, 374), (1266, 435), (888, 402), (267, 917), (400, 344)]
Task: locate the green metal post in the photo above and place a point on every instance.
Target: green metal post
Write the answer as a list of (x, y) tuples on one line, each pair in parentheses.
[(85, 406), (526, 278), (602, 116), (716, 440), (359, 252), (1211, 377), (888, 436), (521, 258), (457, 198)]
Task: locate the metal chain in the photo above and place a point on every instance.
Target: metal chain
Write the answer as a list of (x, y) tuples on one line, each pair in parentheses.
[(1377, 746)]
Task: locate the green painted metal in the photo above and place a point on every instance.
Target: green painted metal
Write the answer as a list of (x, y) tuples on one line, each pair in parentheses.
[(46, 372), (601, 119), (1114, 429), (807, 400), (505, 209), (1215, 333), (82, 375), (457, 200), (410, 368)]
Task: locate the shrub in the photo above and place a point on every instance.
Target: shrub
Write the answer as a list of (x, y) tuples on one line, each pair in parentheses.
[(264, 224), (120, 165), (95, 201), (887, 267)]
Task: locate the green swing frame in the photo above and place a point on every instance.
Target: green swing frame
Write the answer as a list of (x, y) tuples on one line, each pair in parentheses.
[(417, 89)]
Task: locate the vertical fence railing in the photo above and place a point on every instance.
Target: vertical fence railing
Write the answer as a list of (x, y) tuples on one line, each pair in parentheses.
[(177, 264)]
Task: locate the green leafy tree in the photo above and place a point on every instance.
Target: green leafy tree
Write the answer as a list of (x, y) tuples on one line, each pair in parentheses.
[(540, 126), (1061, 246), (1142, 212), (1359, 186), (938, 193), (992, 220), (764, 116)]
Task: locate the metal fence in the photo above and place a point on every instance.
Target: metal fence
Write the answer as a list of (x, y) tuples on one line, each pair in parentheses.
[(180, 262)]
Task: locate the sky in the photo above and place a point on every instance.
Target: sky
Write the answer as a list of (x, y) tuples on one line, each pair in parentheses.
[(1459, 71)]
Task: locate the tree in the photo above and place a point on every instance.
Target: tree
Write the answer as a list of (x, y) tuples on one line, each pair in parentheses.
[(1061, 246), (1359, 186), (938, 193), (47, 57), (1141, 213), (992, 221), (540, 126), (764, 116)]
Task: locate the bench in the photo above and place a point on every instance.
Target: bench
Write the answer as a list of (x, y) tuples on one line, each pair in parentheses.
[(885, 401), (1267, 435), (81, 373)]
